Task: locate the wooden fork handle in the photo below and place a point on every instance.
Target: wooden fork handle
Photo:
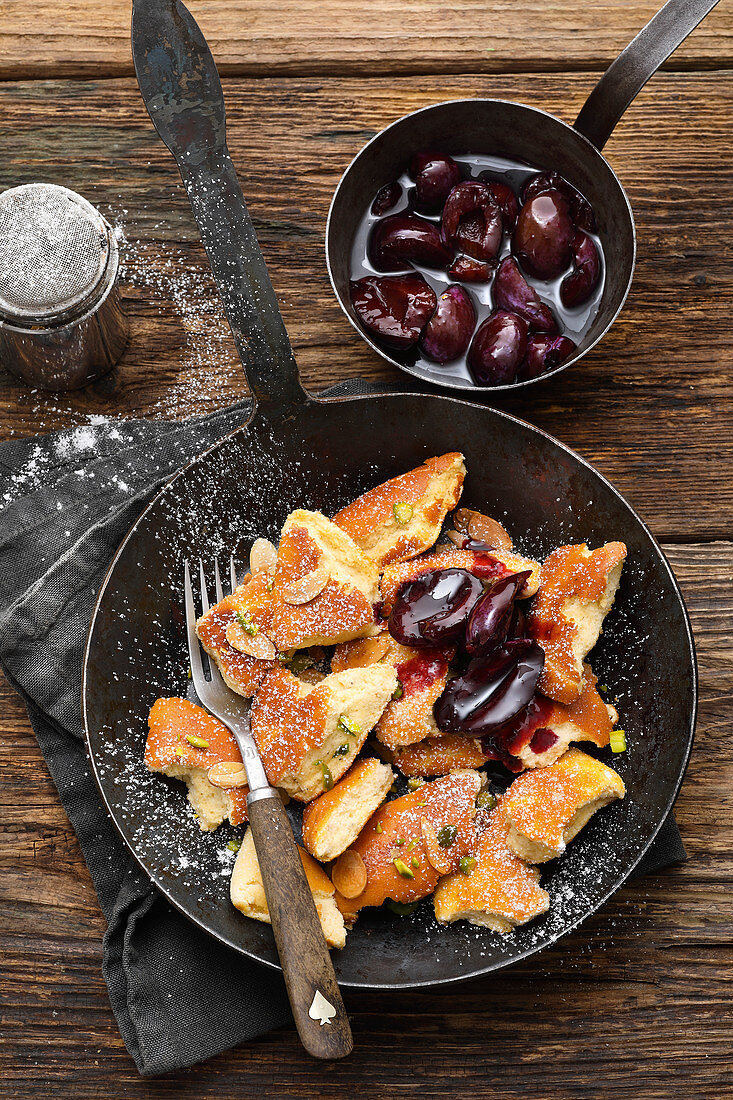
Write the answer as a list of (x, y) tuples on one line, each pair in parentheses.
[(315, 998)]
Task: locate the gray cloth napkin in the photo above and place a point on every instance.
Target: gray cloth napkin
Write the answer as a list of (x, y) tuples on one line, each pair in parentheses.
[(66, 501)]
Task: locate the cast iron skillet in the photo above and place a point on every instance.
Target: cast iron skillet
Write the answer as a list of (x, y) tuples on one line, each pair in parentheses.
[(532, 137), (299, 451)]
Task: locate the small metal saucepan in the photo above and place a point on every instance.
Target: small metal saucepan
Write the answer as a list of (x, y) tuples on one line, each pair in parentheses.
[(514, 131)]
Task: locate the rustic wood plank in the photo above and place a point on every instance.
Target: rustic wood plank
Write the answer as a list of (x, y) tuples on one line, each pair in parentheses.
[(250, 37), (603, 1011), (651, 406)]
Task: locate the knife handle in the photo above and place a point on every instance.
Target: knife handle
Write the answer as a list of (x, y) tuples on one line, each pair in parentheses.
[(315, 999)]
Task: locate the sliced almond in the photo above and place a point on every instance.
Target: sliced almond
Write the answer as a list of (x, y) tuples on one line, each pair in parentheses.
[(457, 538), (349, 874), (461, 519), (366, 651), (227, 773), (305, 589), (256, 645), (262, 557), (437, 857), (482, 528)]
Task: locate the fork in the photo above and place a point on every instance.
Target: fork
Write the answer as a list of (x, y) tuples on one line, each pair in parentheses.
[(315, 999)]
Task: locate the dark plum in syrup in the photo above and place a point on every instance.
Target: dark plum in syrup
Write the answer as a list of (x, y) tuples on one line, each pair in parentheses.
[(394, 310), (448, 332), (513, 292), (435, 177), (432, 610), (493, 689), (543, 236), (521, 243), (493, 615), (498, 349)]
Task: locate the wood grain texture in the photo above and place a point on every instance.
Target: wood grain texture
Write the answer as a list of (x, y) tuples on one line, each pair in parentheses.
[(254, 37), (628, 1006), (651, 406), (636, 1003)]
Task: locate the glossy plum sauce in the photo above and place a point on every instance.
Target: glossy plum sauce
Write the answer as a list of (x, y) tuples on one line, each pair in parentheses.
[(492, 691), (432, 610), (573, 322)]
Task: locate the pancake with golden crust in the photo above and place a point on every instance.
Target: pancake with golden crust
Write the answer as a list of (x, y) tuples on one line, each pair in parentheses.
[(248, 893), (544, 731), (576, 593), (401, 843), (422, 675), (309, 735), (276, 609), (403, 516), (440, 755), (500, 891), (547, 807), (334, 820), (184, 742), (240, 671), (343, 608), (409, 718)]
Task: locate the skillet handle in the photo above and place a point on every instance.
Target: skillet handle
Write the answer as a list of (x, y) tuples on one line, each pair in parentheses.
[(315, 999), (627, 75), (182, 91)]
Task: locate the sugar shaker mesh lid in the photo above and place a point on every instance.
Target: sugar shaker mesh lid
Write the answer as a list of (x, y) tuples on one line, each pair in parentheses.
[(54, 249)]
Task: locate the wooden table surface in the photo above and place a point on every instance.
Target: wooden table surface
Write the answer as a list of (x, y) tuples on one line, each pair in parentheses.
[(637, 1002)]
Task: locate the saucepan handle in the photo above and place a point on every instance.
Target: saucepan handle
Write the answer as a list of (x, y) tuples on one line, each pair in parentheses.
[(627, 75), (182, 92)]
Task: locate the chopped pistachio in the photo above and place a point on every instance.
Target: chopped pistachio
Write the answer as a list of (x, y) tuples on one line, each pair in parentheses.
[(466, 864), (485, 800), (379, 827), (197, 742), (415, 861), (603, 687), (326, 773), (234, 844), (180, 751), (342, 750), (402, 512), (447, 835), (245, 621), (348, 726), (414, 783), (402, 868), (401, 908), (270, 584), (398, 691), (190, 674), (399, 841), (412, 844), (617, 739)]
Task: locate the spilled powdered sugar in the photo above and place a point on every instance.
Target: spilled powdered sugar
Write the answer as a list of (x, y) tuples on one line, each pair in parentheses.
[(207, 360)]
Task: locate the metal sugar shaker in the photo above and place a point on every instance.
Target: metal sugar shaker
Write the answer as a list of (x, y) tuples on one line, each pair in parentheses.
[(62, 323)]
